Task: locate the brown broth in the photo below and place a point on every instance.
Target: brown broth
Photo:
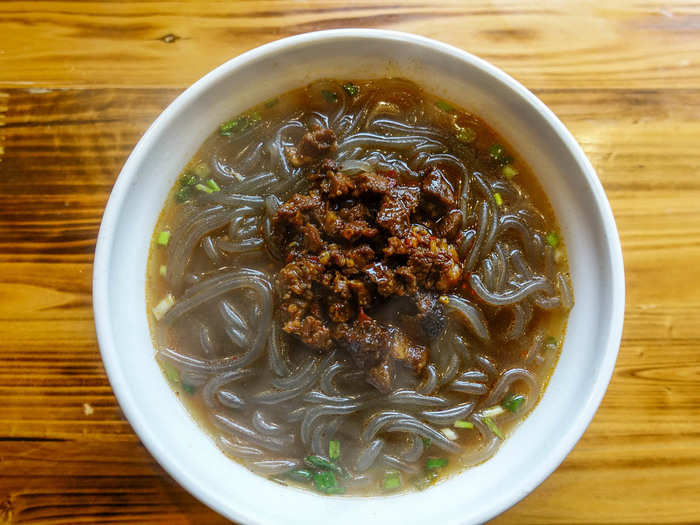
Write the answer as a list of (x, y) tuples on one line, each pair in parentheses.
[(403, 101)]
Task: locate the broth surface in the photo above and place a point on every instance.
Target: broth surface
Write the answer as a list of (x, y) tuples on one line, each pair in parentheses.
[(308, 416)]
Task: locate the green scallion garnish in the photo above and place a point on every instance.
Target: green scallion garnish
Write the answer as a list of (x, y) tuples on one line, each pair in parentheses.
[(165, 304), (426, 442), (497, 197), (466, 135), (319, 462), (509, 171), (434, 463), (334, 449), (493, 411), (329, 96), (325, 481), (213, 185), (513, 402), (551, 341), (188, 179), (205, 189), (323, 463), (183, 194), (553, 239), (351, 89), (392, 480), (189, 389), (232, 126), (463, 424), (493, 427), (300, 474), (239, 124), (496, 152), (271, 103), (444, 106), (163, 238)]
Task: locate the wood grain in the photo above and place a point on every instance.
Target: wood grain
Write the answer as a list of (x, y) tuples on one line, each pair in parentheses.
[(624, 79), (627, 43)]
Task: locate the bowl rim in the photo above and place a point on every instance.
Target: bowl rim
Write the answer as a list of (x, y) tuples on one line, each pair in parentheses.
[(113, 210)]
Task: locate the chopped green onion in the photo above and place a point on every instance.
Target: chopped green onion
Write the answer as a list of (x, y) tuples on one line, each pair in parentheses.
[(551, 340), (392, 480), (466, 135), (329, 96), (444, 106), (163, 270), (427, 442), (205, 189), (334, 449), (319, 462), (213, 185), (463, 424), (300, 474), (183, 194), (513, 402), (171, 373), (351, 89), (498, 198), (228, 128), (325, 480), (553, 239), (335, 490), (509, 171), (449, 433), (323, 463), (493, 411), (239, 124), (188, 179), (271, 103), (489, 423), (202, 170), (433, 463), (188, 388), (163, 306), (497, 152), (163, 238)]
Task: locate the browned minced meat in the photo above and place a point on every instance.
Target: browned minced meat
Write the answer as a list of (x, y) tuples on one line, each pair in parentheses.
[(450, 225), (436, 185), (397, 206), (359, 246), (314, 145)]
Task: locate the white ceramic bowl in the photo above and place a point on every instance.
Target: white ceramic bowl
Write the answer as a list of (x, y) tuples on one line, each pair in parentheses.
[(533, 450)]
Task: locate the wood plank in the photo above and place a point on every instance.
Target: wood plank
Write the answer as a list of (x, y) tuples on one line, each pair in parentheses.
[(63, 151), (638, 461), (625, 44), (65, 482)]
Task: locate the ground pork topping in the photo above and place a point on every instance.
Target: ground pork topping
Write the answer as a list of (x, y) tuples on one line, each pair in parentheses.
[(365, 261)]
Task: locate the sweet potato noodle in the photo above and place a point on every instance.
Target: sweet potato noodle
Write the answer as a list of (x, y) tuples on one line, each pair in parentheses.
[(357, 287)]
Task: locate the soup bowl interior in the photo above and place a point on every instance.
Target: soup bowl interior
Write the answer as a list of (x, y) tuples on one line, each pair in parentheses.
[(535, 447)]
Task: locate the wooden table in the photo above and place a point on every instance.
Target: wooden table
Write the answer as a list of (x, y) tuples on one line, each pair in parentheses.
[(81, 81)]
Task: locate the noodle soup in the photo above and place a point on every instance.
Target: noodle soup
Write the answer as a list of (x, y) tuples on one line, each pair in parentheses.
[(357, 287)]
